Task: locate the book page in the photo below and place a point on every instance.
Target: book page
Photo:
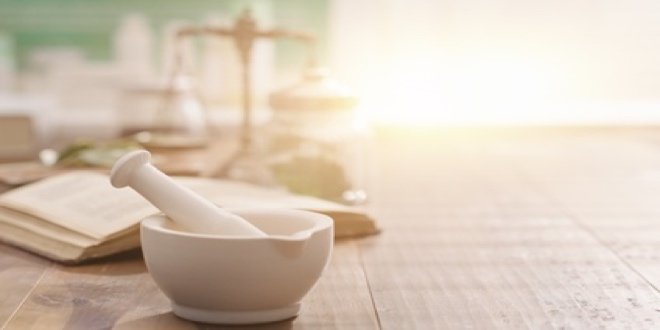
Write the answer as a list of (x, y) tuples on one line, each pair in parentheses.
[(349, 221), (86, 203), (232, 194), (44, 228), (82, 201)]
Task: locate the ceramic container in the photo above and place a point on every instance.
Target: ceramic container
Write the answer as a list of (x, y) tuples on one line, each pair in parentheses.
[(239, 280)]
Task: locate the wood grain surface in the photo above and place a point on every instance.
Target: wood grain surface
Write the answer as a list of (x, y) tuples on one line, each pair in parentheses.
[(502, 229)]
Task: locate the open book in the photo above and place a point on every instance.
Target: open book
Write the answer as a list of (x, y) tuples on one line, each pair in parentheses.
[(77, 216)]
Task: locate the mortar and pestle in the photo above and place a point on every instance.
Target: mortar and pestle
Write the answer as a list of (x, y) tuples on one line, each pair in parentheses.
[(241, 267)]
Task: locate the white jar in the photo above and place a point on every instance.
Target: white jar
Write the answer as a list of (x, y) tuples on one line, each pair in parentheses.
[(313, 145)]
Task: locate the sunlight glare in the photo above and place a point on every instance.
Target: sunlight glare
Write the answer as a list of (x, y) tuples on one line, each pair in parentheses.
[(479, 89)]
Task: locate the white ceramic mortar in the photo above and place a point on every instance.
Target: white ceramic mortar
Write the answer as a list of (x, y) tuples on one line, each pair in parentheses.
[(239, 280)]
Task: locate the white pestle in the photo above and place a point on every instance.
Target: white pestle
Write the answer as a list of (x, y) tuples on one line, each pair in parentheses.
[(181, 204)]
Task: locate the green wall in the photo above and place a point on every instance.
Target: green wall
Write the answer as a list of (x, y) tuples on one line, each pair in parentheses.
[(90, 24)]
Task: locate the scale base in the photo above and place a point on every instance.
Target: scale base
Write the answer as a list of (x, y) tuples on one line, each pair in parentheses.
[(236, 317)]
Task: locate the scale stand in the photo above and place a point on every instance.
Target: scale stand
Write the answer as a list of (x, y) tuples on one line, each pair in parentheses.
[(246, 164)]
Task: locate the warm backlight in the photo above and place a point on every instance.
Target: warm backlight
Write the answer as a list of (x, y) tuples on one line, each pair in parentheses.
[(478, 89)]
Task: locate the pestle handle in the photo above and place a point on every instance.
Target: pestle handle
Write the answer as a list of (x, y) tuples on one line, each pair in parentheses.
[(179, 203)]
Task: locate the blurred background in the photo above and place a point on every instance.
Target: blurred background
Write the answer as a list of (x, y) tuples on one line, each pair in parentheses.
[(410, 62), (79, 62), (510, 62)]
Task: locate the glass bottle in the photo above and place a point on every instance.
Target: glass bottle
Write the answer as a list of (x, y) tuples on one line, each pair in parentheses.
[(313, 145)]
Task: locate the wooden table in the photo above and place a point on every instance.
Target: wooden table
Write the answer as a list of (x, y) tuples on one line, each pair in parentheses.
[(484, 230)]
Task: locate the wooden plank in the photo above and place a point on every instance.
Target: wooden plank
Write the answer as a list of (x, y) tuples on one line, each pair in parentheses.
[(341, 300), (121, 294), (498, 232), (510, 277), (89, 296), (515, 260), (617, 203), (19, 274)]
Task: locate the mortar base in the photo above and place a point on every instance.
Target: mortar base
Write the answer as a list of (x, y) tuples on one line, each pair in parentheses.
[(236, 317)]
